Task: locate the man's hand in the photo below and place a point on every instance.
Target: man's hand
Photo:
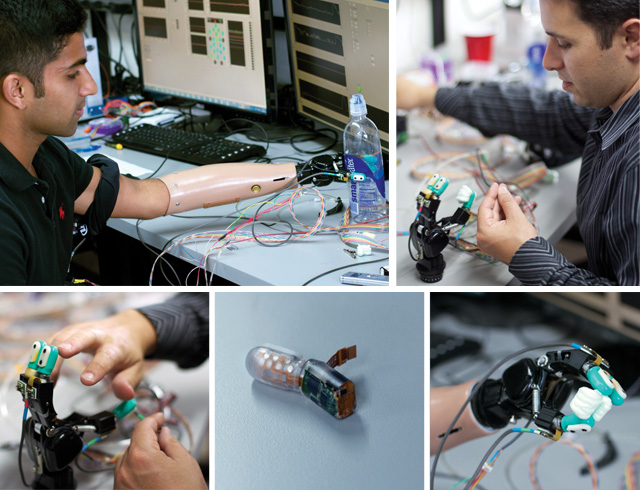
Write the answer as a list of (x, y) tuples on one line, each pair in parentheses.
[(156, 460), (118, 343), (502, 226), (410, 95)]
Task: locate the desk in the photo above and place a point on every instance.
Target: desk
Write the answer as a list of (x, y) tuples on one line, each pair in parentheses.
[(555, 213), (291, 264)]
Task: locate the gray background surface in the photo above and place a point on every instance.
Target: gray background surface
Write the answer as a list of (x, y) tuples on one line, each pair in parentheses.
[(269, 438)]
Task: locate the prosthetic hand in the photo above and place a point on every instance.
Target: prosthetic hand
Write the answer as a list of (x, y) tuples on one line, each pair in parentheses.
[(429, 235), (214, 185), (53, 443), (538, 390)]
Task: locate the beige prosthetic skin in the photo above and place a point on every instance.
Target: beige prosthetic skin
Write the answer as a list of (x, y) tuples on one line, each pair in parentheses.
[(224, 183), (445, 403)]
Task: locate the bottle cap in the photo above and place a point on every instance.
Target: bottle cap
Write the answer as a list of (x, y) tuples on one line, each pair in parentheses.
[(357, 105)]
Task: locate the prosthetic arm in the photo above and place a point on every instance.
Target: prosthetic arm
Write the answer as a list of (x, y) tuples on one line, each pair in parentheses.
[(53, 443), (430, 236), (214, 185)]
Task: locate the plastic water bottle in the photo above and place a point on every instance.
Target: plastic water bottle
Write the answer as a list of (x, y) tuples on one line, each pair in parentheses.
[(362, 154)]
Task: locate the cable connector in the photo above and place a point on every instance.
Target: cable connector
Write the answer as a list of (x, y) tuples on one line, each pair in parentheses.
[(487, 467), (343, 355)]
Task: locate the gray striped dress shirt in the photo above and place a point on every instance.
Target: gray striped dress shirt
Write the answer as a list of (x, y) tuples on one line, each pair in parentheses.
[(608, 197), (182, 326)]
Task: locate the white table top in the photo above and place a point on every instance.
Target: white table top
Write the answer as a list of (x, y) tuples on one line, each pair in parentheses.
[(291, 264)]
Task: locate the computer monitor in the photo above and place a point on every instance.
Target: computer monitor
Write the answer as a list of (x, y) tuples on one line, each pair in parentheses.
[(94, 103), (339, 48), (217, 52)]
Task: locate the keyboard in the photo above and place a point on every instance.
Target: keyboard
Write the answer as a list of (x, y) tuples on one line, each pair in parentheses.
[(177, 144)]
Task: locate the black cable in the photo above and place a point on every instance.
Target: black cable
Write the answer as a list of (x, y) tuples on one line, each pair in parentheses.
[(314, 136), (344, 267), (409, 244), (269, 225), (24, 426), (120, 39), (255, 216), (161, 165), (472, 394), (242, 130), (106, 30), (480, 167), (610, 455)]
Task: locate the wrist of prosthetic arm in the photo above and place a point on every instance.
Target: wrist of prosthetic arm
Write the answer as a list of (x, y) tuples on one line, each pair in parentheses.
[(538, 390), (225, 183)]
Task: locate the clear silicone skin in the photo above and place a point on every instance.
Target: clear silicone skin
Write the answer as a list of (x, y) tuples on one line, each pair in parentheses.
[(276, 368)]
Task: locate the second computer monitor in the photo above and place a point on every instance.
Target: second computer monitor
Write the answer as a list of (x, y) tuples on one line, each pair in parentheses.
[(339, 48)]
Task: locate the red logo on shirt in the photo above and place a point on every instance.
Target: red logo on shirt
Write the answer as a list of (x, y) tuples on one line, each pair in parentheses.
[(61, 211)]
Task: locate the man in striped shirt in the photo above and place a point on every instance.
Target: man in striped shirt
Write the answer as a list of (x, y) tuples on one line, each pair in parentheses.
[(594, 45), (176, 330)]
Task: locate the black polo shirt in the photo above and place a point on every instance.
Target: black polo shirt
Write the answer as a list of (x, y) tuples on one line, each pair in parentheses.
[(36, 214)]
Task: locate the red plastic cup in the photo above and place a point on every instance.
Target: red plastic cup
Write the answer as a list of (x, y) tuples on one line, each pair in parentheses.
[(479, 48)]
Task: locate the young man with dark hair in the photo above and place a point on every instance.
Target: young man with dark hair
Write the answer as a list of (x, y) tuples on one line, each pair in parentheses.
[(43, 86), (44, 83), (594, 45)]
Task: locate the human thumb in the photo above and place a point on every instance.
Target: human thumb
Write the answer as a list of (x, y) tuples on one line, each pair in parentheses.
[(125, 382), (170, 445), (509, 205)]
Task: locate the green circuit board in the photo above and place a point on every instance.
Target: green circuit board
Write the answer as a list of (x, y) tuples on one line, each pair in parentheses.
[(319, 392)]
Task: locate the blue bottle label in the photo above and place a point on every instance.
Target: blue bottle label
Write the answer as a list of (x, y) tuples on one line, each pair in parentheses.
[(370, 166)]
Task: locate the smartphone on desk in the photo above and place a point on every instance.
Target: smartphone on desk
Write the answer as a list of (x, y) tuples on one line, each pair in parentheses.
[(362, 279)]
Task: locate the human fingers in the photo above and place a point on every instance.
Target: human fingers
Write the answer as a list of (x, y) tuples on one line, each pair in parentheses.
[(125, 382), (109, 356), (68, 345), (171, 446), (144, 437), (487, 209), (508, 203), (498, 212)]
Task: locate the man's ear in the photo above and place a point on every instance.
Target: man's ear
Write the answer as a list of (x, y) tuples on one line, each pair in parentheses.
[(15, 90), (632, 38)]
